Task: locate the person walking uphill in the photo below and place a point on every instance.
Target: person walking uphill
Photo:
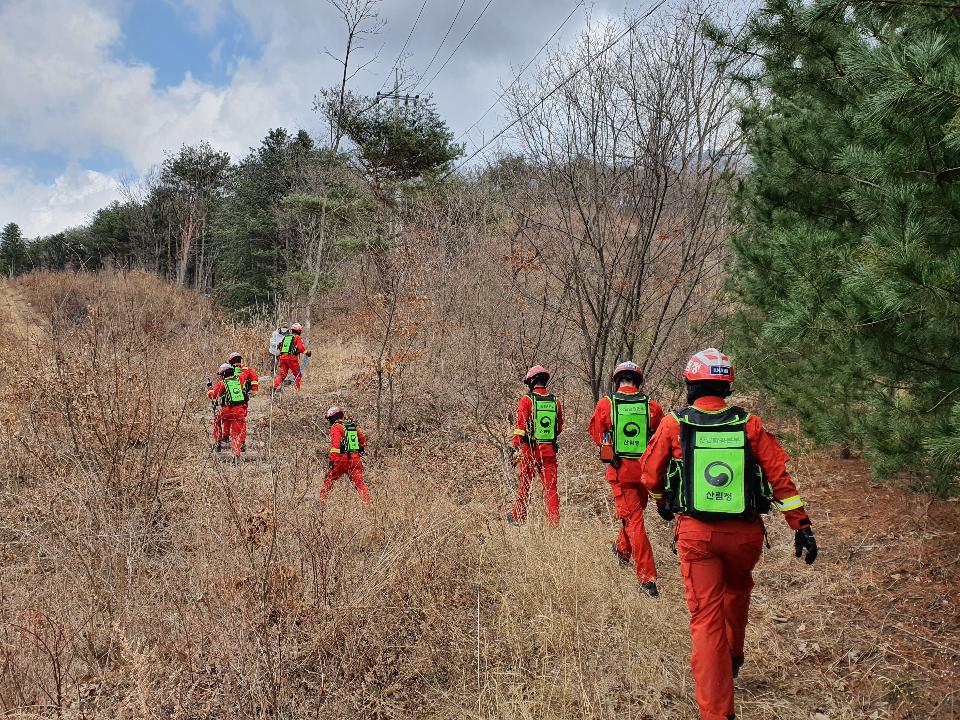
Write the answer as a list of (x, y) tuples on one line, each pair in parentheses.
[(621, 425), (539, 424), (291, 348), (347, 444), (232, 415), (719, 469), (245, 373)]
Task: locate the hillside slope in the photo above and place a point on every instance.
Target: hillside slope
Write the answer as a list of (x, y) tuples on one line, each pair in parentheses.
[(143, 576)]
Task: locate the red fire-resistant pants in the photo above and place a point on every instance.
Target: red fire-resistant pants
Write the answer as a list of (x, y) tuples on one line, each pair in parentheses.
[(288, 364), (345, 465), (221, 433), (629, 501), (539, 460), (717, 560), (231, 422)]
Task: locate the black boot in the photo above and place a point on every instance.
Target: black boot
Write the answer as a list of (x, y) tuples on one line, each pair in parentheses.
[(650, 588), (737, 664)]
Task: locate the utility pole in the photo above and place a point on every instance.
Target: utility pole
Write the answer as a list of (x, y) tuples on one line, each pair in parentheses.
[(395, 95)]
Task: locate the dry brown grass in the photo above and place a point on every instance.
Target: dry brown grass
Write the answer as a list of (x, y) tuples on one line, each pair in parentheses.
[(144, 578)]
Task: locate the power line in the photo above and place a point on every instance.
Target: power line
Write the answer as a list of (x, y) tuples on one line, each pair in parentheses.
[(630, 28), (462, 40), (523, 70), (396, 64), (445, 36)]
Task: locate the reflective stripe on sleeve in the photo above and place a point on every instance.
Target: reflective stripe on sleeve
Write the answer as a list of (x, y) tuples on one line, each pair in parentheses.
[(335, 450), (520, 432), (655, 496), (790, 503)]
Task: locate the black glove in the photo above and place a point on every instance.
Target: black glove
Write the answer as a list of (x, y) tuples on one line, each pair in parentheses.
[(803, 538), (209, 384), (331, 463), (665, 512), (309, 353)]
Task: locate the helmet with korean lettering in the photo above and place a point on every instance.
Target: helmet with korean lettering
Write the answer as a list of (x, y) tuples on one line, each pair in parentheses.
[(709, 364)]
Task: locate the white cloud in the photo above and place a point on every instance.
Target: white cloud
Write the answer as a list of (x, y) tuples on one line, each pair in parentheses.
[(64, 92), (43, 209)]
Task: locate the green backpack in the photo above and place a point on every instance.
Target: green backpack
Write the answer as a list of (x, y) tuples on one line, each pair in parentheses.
[(543, 420), (630, 421), (351, 438), (717, 476), (236, 394)]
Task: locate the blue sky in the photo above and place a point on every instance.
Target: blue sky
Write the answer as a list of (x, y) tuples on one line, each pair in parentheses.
[(95, 93), (170, 37)]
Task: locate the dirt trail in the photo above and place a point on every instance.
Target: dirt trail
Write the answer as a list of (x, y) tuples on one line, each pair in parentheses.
[(17, 316)]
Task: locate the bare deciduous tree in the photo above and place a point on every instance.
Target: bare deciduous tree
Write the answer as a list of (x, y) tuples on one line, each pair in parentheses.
[(361, 20), (621, 202)]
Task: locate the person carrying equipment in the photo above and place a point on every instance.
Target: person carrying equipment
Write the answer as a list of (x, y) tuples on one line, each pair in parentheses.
[(275, 339), (232, 415), (347, 444), (291, 348), (719, 470), (621, 425), (539, 424), (245, 373)]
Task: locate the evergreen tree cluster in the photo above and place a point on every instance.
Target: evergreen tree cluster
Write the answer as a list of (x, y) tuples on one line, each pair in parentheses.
[(847, 266), (264, 228)]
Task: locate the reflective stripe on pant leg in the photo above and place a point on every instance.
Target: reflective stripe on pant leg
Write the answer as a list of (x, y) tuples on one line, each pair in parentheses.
[(703, 572)]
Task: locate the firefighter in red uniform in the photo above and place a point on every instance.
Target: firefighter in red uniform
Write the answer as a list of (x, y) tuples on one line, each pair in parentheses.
[(291, 348), (539, 424), (232, 414), (347, 444), (251, 384), (621, 425), (247, 374), (719, 470)]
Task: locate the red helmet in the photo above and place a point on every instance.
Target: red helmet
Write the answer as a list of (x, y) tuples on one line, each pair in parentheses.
[(709, 364), (296, 328), (629, 366), (333, 412), (534, 371), (234, 356), (224, 368)]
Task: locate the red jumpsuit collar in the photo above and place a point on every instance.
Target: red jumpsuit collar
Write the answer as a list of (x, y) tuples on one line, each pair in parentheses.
[(541, 391), (710, 403), (628, 389)]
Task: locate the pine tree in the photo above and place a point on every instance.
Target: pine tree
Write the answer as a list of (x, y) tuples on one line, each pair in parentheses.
[(251, 258), (13, 250), (848, 265)]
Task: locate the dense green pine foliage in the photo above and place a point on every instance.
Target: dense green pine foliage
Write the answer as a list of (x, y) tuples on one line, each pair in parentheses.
[(848, 262), (13, 250)]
